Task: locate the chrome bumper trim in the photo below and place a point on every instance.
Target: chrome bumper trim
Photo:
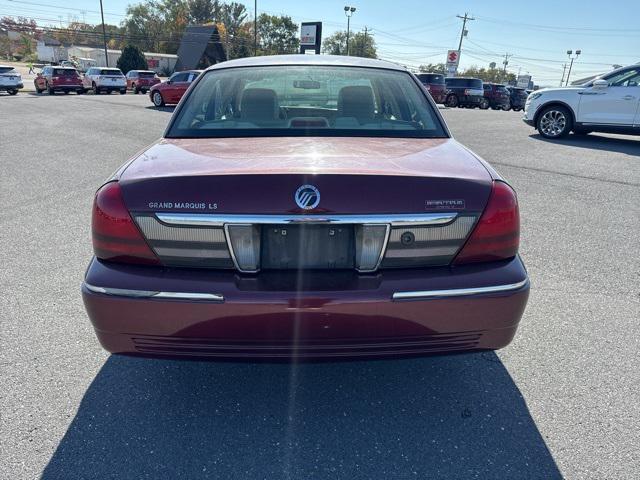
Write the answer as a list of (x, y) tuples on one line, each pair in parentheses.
[(458, 292), (213, 220), (122, 292)]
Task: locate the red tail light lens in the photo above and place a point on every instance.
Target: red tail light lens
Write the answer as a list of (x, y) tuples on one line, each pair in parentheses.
[(115, 236), (497, 234)]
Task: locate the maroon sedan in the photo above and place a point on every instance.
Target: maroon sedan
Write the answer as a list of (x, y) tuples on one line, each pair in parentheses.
[(141, 80), (171, 91), (305, 207)]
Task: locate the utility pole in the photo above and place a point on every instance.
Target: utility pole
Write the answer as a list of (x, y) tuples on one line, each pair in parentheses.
[(463, 33), (564, 70), (104, 37), (505, 62), (363, 48), (255, 27)]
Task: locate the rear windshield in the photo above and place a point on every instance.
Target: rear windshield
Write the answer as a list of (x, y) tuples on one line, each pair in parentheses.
[(110, 71), (7, 70), (465, 82), (433, 78), (65, 72), (317, 100), (147, 74)]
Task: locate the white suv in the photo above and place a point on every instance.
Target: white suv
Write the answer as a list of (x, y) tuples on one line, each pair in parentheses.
[(10, 80), (609, 103), (106, 80)]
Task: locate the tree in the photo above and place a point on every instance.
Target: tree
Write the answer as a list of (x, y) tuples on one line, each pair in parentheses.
[(494, 75), (238, 36), (360, 45), (433, 68), (204, 11), (132, 59), (277, 35)]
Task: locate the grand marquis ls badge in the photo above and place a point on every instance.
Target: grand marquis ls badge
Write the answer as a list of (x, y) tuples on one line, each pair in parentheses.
[(307, 197)]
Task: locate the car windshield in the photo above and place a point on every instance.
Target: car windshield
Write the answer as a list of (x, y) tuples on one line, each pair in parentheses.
[(65, 72), (306, 100), (7, 70), (433, 78)]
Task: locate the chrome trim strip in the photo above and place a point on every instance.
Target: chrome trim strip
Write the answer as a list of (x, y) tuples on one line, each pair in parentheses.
[(123, 292), (458, 292), (213, 220)]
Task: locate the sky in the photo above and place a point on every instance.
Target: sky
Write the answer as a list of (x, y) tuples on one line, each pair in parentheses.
[(536, 34)]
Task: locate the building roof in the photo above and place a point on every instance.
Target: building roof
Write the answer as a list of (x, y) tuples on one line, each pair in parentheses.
[(330, 60)]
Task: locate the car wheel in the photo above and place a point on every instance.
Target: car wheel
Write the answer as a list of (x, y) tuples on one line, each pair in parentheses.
[(96, 90), (554, 122), (80, 91), (13, 92), (484, 104), (144, 92), (123, 92), (157, 99), (452, 101), (506, 108)]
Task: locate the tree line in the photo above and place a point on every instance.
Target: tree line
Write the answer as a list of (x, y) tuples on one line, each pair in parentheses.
[(492, 75), (158, 26)]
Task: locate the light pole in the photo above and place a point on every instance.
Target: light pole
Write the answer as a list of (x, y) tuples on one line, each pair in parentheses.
[(569, 52), (255, 27), (348, 11), (104, 37)]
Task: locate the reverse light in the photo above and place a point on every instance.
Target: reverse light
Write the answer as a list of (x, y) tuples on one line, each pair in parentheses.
[(115, 236), (244, 241), (497, 234), (370, 242)]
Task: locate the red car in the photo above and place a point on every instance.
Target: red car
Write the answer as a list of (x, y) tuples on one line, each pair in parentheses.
[(305, 206), (58, 79), (435, 84), (171, 91), (141, 80)]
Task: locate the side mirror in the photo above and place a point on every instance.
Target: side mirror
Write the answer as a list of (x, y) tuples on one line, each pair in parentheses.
[(168, 82), (600, 84)]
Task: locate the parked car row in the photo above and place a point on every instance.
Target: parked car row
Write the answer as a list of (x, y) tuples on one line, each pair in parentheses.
[(472, 92), (100, 80)]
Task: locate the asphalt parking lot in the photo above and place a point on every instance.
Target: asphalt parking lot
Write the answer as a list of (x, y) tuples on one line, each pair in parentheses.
[(561, 400)]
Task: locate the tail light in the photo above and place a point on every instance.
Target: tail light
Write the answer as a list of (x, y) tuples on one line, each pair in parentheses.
[(55, 78), (467, 91), (115, 236), (497, 234)]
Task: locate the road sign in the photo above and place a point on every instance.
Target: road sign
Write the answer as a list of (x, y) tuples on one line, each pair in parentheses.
[(523, 81), (310, 37), (453, 57)]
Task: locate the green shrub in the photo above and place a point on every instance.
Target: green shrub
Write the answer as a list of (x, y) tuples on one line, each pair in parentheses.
[(132, 59)]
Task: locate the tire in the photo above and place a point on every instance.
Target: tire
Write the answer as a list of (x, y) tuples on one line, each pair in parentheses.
[(157, 99), (452, 101), (554, 122), (506, 108), (123, 92), (484, 104), (144, 92), (13, 92), (80, 91), (96, 90)]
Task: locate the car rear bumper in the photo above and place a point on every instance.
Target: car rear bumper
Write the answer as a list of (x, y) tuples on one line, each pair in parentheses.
[(15, 86), (71, 88), (221, 314)]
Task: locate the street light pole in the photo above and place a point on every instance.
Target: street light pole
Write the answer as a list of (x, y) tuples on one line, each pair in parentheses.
[(569, 52), (348, 11), (255, 28), (104, 37)]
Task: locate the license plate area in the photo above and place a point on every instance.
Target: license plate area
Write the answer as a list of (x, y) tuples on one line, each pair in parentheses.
[(307, 247)]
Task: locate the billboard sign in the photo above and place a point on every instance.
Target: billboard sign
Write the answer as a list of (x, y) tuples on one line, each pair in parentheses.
[(310, 37), (523, 81)]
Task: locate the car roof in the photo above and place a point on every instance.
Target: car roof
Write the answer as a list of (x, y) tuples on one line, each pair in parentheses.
[(6, 66), (329, 60), (462, 78)]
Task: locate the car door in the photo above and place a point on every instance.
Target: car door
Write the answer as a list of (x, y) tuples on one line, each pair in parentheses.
[(612, 104), (177, 86)]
